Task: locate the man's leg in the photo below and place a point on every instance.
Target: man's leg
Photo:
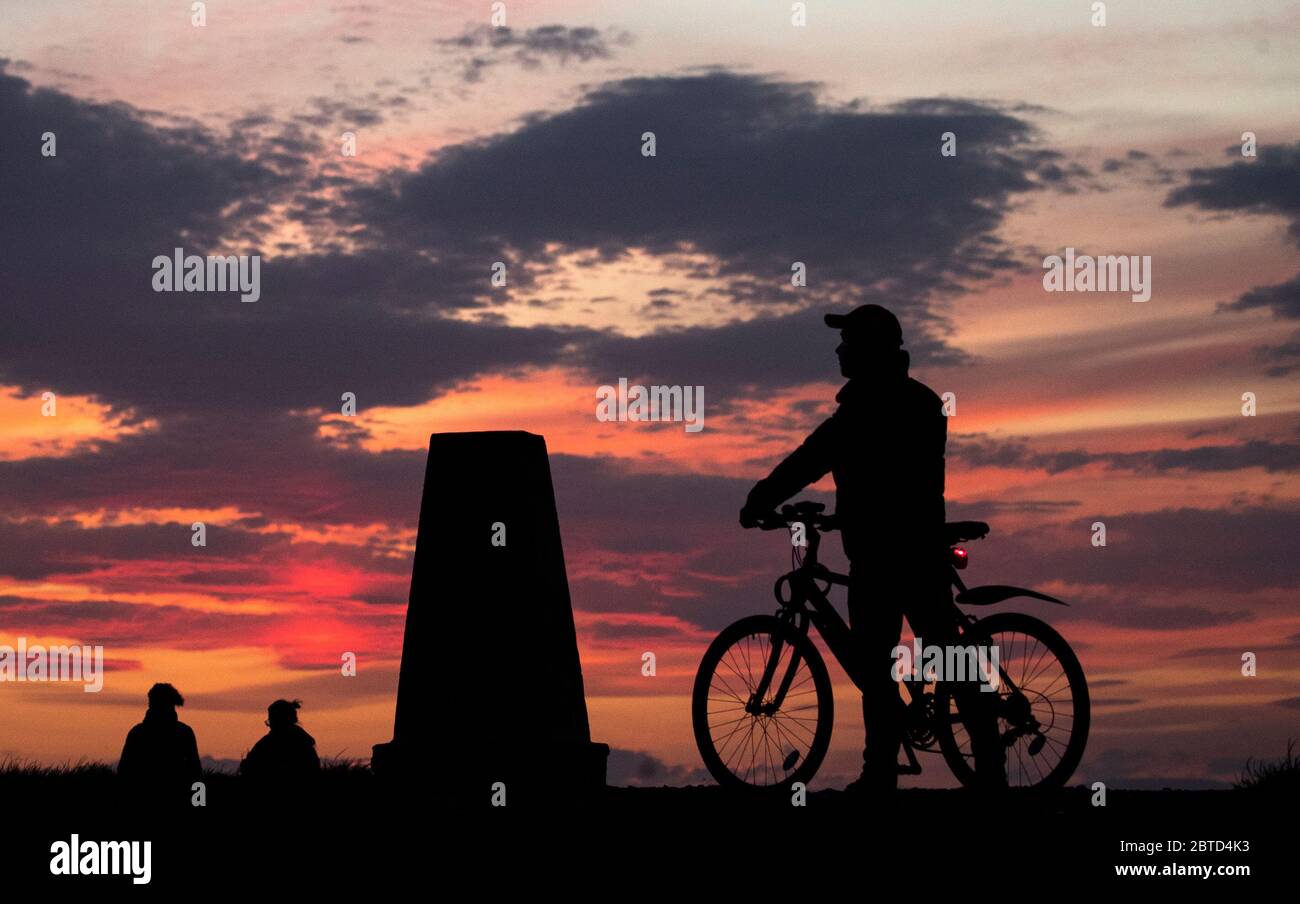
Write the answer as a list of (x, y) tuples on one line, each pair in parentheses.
[(980, 719), (929, 615), (876, 617)]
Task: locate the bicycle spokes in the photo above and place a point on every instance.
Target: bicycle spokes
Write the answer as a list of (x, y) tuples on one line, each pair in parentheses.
[(762, 712), (1035, 709)]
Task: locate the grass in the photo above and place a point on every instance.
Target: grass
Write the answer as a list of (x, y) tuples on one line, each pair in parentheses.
[(28, 780), (1272, 776), (13, 767), (350, 776)]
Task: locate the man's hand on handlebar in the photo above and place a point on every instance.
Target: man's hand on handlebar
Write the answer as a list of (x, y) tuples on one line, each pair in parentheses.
[(764, 519), (753, 517)]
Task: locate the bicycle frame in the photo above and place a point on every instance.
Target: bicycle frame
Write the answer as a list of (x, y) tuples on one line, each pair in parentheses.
[(804, 590), (807, 603), (933, 706)]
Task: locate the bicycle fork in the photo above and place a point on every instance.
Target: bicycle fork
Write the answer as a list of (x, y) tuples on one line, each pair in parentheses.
[(755, 705)]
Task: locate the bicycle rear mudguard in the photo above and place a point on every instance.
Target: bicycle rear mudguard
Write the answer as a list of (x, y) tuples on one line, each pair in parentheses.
[(996, 593)]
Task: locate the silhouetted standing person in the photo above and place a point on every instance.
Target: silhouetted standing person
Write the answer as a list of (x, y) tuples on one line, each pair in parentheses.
[(160, 759), (286, 752), (885, 447)]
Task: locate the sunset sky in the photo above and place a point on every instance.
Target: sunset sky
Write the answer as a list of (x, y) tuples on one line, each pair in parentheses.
[(775, 144)]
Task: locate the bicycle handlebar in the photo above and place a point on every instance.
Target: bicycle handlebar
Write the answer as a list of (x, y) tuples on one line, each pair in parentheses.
[(790, 515)]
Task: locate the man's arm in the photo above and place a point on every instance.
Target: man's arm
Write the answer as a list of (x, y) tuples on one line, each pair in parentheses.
[(807, 464), (126, 763), (252, 760), (193, 766)]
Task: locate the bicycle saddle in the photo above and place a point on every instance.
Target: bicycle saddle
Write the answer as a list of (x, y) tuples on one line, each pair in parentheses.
[(957, 531)]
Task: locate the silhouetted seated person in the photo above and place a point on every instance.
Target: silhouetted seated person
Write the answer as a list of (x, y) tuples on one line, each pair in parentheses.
[(285, 758), (160, 760)]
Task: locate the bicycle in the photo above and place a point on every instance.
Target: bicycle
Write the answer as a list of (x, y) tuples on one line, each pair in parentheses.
[(762, 706)]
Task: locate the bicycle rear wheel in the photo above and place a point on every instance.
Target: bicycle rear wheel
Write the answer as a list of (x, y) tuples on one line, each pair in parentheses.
[(762, 743), (1042, 722)]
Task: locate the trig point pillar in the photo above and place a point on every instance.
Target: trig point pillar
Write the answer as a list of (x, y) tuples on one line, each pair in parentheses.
[(491, 686)]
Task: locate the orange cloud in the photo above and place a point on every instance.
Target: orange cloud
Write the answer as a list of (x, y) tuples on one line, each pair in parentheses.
[(76, 424)]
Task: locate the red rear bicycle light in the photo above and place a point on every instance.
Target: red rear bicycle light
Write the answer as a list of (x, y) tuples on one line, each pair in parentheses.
[(959, 557)]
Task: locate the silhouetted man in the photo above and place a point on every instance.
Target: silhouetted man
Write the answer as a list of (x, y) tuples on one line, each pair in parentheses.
[(885, 447), (286, 752), (161, 757)]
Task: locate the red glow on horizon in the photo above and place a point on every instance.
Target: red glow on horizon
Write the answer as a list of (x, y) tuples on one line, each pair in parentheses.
[(323, 580)]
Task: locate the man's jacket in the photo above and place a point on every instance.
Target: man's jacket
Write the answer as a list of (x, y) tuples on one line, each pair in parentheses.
[(161, 750), (285, 752), (885, 446)]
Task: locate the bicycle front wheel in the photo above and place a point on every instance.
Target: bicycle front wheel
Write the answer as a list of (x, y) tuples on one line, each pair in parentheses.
[(769, 739)]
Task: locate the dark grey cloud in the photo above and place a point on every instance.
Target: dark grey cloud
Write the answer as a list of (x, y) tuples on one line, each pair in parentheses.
[(345, 113), (31, 550), (1150, 557), (118, 188), (975, 509), (1140, 164), (637, 513), (83, 227), (483, 47), (621, 516), (1281, 359), (233, 560), (1229, 658), (607, 630), (270, 464), (1188, 550), (1283, 299), (1271, 455), (751, 172), (1266, 185), (735, 360), (1119, 610), (754, 173), (614, 513), (115, 623), (622, 519)]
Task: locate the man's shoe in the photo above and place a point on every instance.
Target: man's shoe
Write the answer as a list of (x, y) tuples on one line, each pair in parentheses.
[(873, 786)]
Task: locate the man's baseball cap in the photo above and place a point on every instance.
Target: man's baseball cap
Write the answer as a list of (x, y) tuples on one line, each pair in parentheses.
[(870, 322)]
